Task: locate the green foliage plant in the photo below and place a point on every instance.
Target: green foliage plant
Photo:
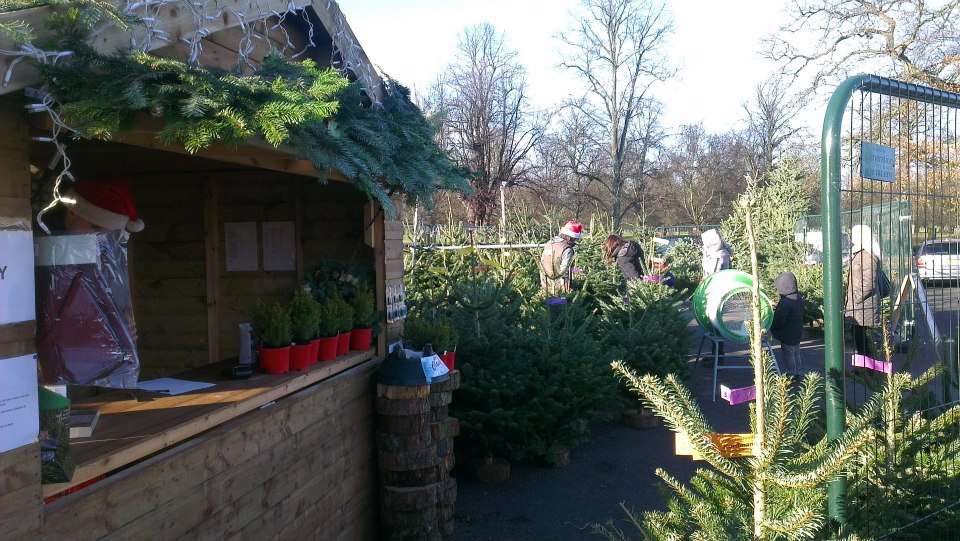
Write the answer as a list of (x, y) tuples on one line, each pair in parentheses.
[(344, 313), (364, 308), (304, 316), (385, 148), (328, 324), (271, 322), (646, 329), (684, 261)]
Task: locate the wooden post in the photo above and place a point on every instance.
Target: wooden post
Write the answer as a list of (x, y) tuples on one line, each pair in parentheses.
[(380, 266), (211, 226)]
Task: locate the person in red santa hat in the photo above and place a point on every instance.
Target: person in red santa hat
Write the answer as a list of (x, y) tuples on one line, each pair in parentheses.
[(556, 261), (104, 205)]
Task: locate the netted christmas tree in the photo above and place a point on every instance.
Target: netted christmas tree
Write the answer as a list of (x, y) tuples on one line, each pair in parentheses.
[(778, 492)]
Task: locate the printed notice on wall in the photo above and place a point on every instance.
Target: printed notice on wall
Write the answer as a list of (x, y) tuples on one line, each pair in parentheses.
[(240, 240), (16, 277), (878, 162), (279, 246), (19, 412)]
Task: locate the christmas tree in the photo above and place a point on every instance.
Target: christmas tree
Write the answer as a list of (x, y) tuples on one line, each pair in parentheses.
[(779, 490)]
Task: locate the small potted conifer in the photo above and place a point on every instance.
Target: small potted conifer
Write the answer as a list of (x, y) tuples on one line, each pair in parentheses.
[(446, 341), (345, 324), (364, 318), (271, 323), (304, 319), (328, 328)]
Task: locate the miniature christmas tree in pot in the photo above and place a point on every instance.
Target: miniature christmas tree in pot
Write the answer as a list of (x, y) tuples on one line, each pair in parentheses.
[(271, 322), (304, 319), (364, 318), (345, 323), (328, 329)]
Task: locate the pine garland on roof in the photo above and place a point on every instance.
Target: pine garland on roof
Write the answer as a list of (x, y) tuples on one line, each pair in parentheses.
[(323, 118)]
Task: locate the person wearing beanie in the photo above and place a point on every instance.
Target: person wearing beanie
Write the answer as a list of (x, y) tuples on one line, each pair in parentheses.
[(556, 261), (787, 325), (103, 205)]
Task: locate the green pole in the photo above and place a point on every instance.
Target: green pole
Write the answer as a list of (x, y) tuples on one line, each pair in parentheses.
[(833, 279)]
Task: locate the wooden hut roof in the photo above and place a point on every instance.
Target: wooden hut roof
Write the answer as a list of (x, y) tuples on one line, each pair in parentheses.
[(179, 23)]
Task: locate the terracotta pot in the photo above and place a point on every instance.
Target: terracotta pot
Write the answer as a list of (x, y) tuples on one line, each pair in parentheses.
[(449, 358), (360, 339), (343, 343), (328, 348), (275, 360), (300, 356), (315, 351)]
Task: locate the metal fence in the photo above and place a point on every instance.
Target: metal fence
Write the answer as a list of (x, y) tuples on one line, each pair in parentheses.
[(890, 173)]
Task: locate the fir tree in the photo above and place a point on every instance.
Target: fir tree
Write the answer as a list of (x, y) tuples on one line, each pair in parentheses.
[(778, 492)]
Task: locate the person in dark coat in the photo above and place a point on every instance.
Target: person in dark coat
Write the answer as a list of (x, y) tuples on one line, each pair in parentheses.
[(867, 285), (787, 325), (627, 254)]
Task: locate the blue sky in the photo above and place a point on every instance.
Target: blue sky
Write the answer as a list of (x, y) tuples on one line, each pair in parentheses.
[(716, 46)]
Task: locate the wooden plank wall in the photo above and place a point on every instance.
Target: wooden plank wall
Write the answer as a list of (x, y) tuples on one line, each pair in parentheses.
[(303, 469), (175, 307), (167, 262), (20, 499)]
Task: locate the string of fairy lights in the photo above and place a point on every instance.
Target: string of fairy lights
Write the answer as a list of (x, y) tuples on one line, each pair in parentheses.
[(260, 26)]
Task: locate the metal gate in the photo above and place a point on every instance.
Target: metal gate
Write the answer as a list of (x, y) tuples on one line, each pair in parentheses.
[(890, 173)]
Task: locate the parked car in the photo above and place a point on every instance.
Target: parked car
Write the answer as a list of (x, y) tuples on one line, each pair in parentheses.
[(939, 260)]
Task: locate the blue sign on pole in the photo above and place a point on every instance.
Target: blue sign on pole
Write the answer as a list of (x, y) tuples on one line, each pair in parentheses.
[(878, 162)]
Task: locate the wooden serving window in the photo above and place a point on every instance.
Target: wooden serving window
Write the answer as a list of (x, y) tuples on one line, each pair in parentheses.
[(189, 300)]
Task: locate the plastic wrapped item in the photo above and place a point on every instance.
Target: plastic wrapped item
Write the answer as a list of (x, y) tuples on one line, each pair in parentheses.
[(86, 329)]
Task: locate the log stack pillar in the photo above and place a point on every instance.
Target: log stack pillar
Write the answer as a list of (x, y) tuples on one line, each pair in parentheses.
[(415, 448)]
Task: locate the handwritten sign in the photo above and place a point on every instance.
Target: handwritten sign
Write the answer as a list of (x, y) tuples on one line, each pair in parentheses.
[(878, 162), (17, 301), (862, 361), (728, 445), (19, 410), (738, 396)]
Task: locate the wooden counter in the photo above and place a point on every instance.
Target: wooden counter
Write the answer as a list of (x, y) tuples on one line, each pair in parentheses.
[(135, 425)]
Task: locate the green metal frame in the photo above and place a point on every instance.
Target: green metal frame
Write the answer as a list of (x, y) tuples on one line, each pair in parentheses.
[(830, 160)]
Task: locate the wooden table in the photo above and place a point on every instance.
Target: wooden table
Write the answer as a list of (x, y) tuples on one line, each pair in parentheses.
[(136, 424)]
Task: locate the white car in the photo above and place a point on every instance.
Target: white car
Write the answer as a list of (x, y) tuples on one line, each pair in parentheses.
[(939, 260)]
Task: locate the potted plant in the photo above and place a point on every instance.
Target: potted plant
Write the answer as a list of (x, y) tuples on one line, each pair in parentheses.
[(327, 329), (304, 319), (272, 325), (446, 341), (345, 324), (364, 318), (438, 332)]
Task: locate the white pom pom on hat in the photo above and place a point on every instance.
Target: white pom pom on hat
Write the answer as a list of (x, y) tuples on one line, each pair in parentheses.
[(105, 203)]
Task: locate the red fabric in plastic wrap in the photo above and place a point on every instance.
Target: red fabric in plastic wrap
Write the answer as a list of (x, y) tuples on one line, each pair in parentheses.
[(85, 321)]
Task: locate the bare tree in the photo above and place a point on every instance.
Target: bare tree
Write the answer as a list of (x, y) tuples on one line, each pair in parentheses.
[(919, 38), (769, 124), (616, 49), (705, 174), (485, 119)]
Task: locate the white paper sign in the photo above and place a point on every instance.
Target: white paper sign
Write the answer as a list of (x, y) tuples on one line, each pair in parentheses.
[(19, 410), (433, 367), (17, 302), (279, 246), (240, 240)]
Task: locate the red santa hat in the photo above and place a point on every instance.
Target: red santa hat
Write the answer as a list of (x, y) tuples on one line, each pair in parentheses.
[(104, 203), (572, 229)]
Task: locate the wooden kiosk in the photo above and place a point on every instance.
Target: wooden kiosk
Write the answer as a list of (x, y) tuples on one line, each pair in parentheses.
[(270, 457)]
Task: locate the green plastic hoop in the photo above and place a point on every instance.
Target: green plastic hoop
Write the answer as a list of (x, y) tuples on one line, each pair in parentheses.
[(714, 293)]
